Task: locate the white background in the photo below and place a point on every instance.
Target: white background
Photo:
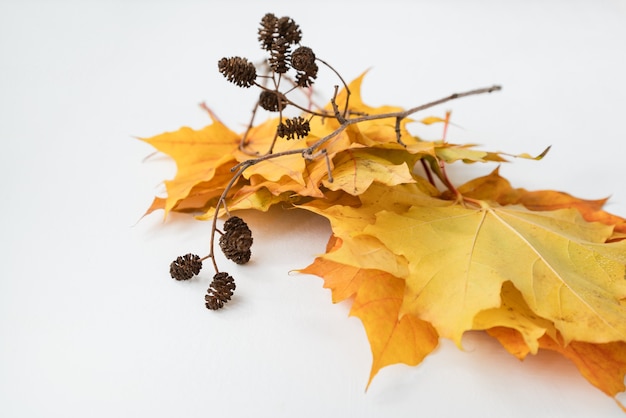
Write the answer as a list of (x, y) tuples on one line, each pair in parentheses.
[(91, 324)]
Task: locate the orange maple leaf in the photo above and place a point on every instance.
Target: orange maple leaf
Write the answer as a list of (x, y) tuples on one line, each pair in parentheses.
[(198, 155), (393, 339), (494, 187), (342, 280), (603, 365), (377, 304)]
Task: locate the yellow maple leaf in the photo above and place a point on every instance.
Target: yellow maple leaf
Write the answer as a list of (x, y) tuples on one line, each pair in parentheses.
[(357, 250), (356, 170), (355, 101), (197, 153), (357, 156), (458, 259), (515, 314), (258, 140)]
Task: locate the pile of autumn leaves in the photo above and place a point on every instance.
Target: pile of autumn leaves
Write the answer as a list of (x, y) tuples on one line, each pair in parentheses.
[(535, 270)]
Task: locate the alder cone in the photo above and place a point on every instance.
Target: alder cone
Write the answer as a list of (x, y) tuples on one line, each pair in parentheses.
[(237, 70), (303, 59), (236, 240), (220, 291), (294, 128), (185, 267), (269, 100)]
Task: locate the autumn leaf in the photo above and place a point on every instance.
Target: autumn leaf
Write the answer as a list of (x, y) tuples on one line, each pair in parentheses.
[(364, 154), (496, 188), (393, 338), (511, 339), (355, 100), (458, 259), (197, 153), (342, 280), (361, 251), (429, 120), (378, 297), (205, 194), (356, 170), (514, 314), (450, 153), (157, 203), (603, 365), (259, 140)]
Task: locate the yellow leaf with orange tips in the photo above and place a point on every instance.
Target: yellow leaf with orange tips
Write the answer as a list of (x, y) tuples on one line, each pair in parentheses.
[(393, 339), (496, 188), (458, 259), (377, 303), (259, 140), (355, 102), (375, 132), (197, 153), (360, 251)]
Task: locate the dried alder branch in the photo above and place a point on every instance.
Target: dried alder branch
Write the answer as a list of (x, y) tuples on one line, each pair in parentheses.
[(277, 36)]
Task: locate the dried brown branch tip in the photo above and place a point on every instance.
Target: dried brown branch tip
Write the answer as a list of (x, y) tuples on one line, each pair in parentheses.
[(280, 37), (235, 242), (286, 61)]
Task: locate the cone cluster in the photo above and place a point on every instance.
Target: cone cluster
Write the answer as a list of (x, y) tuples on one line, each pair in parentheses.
[(294, 128)]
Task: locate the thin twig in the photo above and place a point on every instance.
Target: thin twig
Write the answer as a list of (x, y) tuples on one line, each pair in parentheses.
[(308, 151), (340, 118), (345, 85), (244, 138), (398, 132), (221, 201), (294, 104), (328, 167), (403, 114)]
